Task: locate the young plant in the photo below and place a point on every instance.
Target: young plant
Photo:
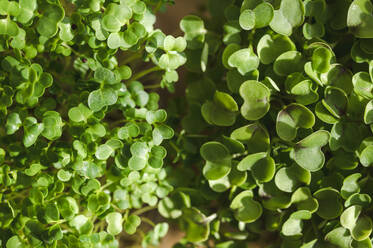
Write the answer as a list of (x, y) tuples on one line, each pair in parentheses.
[(81, 155), (276, 143)]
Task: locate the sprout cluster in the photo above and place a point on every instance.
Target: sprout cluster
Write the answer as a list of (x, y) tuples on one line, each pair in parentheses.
[(81, 138), (272, 140), (279, 125)]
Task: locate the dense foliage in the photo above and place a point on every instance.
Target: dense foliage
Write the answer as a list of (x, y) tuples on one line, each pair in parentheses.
[(273, 138), (280, 98), (80, 137)]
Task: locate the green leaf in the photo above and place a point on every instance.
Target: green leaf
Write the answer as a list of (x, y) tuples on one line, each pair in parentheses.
[(52, 122), (100, 98), (157, 116), (330, 205), (363, 200), (260, 164), (256, 100), (363, 85), (194, 30), (339, 237), (263, 14), (368, 113), (335, 101), (114, 221), (303, 199), (8, 27), (349, 217), (103, 152), (366, 156), (131, 224), (288, 179), (359, 226), (115, 16), (360, 18), (13, 123), (14, 242), (105, 75), (289, 16), (215, 113), (47, 25), (218, 160), (350, 185), (245, 60), (81, 223), (225, 101), (270, 47), (32, 130), (80, 113), (27, 8), (289, 62), (64, 175), (197, 226), (162, 132), (247, 19), (291, 118), (321, 58), (254, 136), (338, 76), (310, 147), (245, 208), (294, 225)]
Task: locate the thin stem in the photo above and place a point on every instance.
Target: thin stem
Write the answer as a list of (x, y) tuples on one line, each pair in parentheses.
[(73, 50), (145, 72), (196, 136), (143, 210), (107, 185), (175, 147), (115, 123), (131, 58), (154, 86), (159, 5), (146, 220)]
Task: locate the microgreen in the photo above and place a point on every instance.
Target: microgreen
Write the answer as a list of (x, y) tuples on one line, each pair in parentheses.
[(290, 83), (272, 138)]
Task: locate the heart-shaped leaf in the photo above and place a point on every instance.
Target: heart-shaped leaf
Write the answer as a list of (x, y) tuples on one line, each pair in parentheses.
[(270, 47), (363, 200), (360, 18), (288, 179), (338, 76), (363, 85), (321, 58), (100, 98), (293, 226), (247, 19), (289, 16), (218, 160), (114, 221), (289, 62), (260, 164), (245, 208), (330, 205), (350, 185), (303, 199), (256, 99), (310, 147), (215, 114), (254, 136), (335, 101), (245, 60), (291, 118)]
